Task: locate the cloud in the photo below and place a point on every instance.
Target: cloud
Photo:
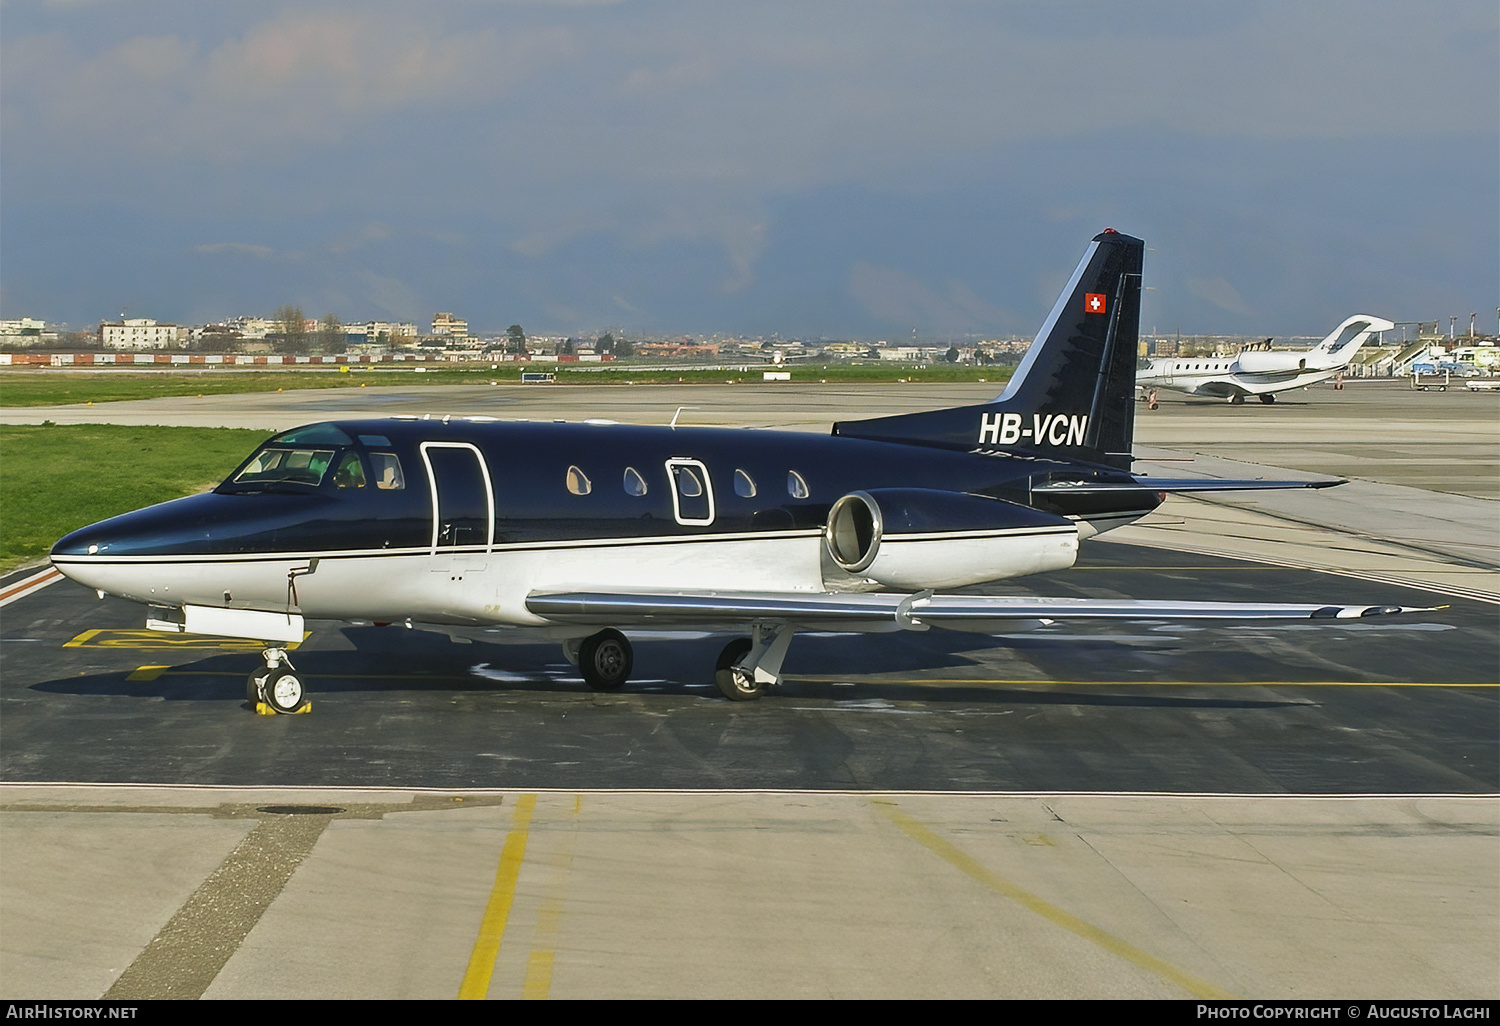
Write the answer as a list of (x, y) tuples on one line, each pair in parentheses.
[(299, 80), (1218, 292), (392, 296), (237, 248), (374, 231), (905, 302), (573, 153)]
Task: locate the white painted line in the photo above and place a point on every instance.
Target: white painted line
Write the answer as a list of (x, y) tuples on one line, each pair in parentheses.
[(36, 582)]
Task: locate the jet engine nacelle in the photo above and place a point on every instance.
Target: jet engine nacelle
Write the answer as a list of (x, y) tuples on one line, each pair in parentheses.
[(1270, 363), (916, 538)]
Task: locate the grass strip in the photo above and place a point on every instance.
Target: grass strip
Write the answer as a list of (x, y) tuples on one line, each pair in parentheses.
[(21, 387), (58, 478)]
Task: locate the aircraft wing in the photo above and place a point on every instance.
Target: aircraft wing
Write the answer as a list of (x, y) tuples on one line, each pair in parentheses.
[(1179, 484), (892, 612)]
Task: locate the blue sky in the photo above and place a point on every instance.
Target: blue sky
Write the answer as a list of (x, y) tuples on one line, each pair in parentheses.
[(856, 168)]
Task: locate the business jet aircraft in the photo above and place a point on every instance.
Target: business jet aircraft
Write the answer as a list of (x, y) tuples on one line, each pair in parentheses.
[(1256, 370), (580, 530)]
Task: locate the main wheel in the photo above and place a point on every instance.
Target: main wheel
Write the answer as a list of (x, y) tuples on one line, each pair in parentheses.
[(736, 685), (605, 660), (1268, 398), (284, 691), (1236, 400)]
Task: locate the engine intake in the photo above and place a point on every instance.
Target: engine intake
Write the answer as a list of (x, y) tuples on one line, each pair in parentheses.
[(915, 538)]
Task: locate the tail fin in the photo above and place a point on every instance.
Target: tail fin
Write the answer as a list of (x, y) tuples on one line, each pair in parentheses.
[(1345, 340), (1073, 396)]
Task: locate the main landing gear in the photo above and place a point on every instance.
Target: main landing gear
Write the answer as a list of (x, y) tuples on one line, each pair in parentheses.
[(277, 685), (748, 666), (605, 660), (1267, 398), (745, 668)]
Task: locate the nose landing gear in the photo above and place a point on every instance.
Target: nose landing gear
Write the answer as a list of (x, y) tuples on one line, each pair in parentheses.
[(278, 687)]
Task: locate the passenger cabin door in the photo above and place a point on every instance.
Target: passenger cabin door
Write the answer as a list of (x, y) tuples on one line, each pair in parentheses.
[(692, 492), (463, 506)]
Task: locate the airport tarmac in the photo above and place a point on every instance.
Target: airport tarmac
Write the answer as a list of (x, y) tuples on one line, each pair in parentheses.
[(1136, 810)]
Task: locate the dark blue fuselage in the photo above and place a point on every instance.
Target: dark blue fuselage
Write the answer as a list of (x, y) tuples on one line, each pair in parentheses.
[(534, 472)]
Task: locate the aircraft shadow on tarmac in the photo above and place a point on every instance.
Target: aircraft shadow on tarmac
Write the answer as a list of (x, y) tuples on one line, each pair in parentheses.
[(389, 661)]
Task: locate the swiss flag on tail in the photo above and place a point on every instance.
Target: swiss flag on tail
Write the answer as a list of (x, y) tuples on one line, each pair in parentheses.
[(1093, 302)]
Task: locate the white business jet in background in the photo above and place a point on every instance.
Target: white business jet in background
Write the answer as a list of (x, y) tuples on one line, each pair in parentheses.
[(1256, 370)]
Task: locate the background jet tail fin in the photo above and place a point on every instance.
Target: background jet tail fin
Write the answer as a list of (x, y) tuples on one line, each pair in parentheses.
[(1073, 395), (1342, 343)]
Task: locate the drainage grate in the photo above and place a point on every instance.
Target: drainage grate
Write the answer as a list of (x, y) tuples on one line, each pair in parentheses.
[(300, 810)]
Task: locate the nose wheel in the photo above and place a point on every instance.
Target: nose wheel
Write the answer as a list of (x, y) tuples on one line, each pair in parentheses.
[(277, 687)]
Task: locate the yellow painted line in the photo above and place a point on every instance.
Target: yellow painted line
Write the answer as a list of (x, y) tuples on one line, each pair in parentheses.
[(537, 986), (476, 982), (147, 672), (160, 641), (431, 678), (1003, 887), (538, 982), (828, 678)]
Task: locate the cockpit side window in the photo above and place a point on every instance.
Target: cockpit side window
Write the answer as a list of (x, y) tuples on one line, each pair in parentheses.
[(350, 472), (276, 465), (387, 471)]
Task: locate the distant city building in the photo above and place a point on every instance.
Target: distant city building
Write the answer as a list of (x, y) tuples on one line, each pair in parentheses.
[(913, 353), (381, 333), (141, 333), (252, 327), (447, 324), (23, 326)]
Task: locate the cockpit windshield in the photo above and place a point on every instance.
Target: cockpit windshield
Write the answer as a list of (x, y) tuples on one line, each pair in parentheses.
[(274, 468)]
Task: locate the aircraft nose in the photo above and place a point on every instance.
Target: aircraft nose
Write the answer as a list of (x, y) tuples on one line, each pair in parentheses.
[(85, 541), (169, 528)]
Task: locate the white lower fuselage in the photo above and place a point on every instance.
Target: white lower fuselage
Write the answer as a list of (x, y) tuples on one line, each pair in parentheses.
[(474, 586)]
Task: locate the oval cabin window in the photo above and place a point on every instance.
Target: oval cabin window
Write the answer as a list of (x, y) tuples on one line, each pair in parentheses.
[(578, 482), (635, 484), (795, 486), (744, 485)]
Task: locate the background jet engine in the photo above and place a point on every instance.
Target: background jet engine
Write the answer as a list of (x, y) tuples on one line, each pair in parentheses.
[(1270, 363), (916, 538)]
